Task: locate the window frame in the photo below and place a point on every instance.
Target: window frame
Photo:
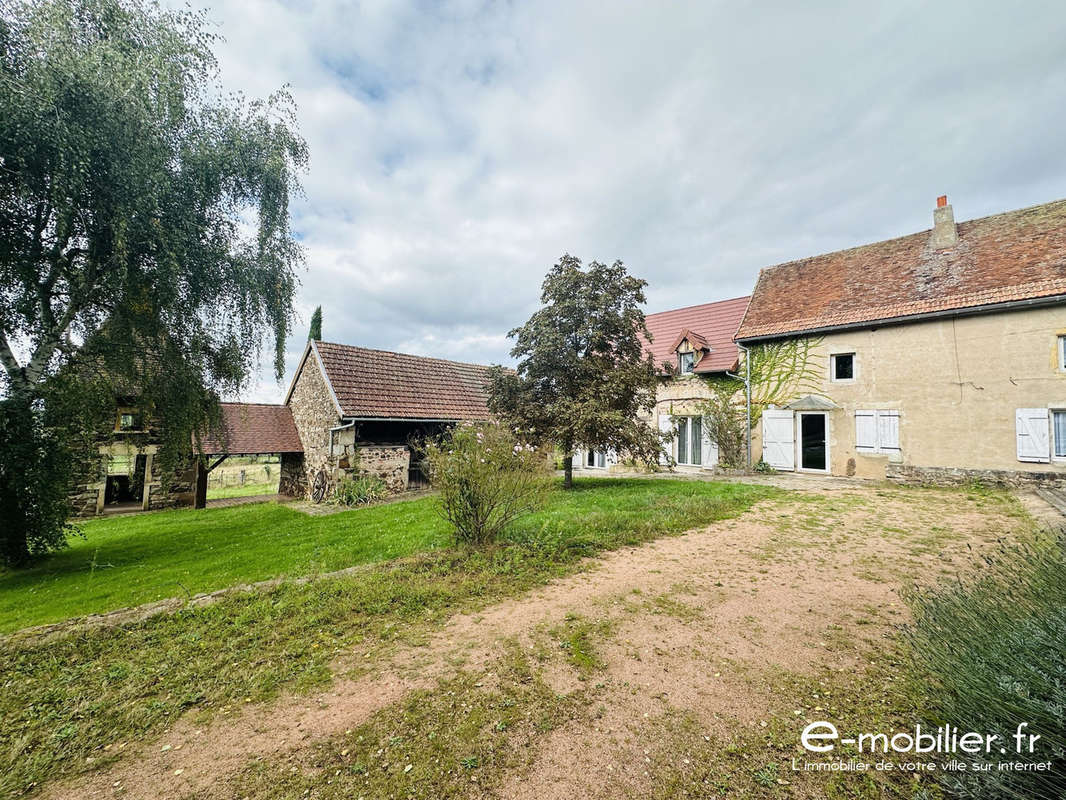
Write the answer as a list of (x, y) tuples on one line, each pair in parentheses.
[(1052, 438), (692, 425), (1061, 342), (691, 355), (137, 425), (597, 457), (833, 366)]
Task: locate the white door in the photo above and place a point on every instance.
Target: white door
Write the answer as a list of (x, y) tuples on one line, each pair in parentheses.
[(779, 438)]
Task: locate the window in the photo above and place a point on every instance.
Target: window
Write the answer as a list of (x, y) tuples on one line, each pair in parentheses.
[(842, 366), (128, 420), (687, 361), (877, 431), (690, 440), (1058, 424), (595, 459), (1062, 352)]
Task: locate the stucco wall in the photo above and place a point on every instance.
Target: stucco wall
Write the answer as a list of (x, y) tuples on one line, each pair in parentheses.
[(956, 384)]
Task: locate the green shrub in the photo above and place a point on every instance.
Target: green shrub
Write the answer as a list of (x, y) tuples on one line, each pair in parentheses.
[(993, 653), (359, 491), (762, 466), (725, 422), (486, 480)]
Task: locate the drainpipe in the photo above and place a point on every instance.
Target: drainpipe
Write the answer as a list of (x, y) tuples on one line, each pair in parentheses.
[(746, 378)]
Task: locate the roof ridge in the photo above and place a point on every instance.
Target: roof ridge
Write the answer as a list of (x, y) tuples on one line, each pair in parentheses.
[(249, 403), (411, 355), (923, 231), (698, 305)]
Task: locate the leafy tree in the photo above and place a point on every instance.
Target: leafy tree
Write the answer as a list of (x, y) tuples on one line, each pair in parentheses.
[(315, 332), (145, 241), (582, 377)]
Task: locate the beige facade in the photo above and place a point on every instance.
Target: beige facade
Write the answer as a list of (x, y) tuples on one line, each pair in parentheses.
[(952, 385)]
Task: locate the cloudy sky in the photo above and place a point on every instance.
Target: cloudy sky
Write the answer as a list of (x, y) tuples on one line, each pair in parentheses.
[(458, 149)]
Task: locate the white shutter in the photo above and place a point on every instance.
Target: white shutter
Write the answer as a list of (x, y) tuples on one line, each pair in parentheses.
[(887, 431), (612, 457), (1031, 434), (666, 425), (601, 459), (866, 431), (708, 449), (779, 438)]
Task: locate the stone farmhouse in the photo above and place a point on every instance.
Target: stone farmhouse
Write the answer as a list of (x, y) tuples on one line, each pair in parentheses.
[(938, 356)]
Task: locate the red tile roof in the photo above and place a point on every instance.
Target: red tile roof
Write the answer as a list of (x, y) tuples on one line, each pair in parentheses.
[(1019, 255), (715, 323), (383, 385), (249, 428)]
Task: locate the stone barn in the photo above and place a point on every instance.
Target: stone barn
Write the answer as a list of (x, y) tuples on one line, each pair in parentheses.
[(366, 411)]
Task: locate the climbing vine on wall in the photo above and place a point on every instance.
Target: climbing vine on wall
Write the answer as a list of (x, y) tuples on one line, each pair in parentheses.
[(782, 370), (779, 372)]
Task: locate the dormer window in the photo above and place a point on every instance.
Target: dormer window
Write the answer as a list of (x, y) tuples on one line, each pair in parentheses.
[(686, 361)]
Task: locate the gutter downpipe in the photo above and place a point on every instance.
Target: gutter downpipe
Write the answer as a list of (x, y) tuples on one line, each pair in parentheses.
[(746, 378)]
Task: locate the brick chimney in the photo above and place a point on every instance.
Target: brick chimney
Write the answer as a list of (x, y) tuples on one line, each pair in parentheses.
[(944, 234)]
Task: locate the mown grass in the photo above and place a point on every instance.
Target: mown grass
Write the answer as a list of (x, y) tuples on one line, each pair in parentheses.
[(69, 702), (130, 560)]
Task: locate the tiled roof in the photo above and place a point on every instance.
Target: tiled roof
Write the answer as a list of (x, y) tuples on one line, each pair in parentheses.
[(1019, 255), (384, 385), (715, 323), (255, 428)]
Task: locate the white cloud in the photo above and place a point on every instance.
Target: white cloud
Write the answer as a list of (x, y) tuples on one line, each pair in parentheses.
[(458, 149)]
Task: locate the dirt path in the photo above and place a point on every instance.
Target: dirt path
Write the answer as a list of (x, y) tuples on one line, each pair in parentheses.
[(699, 620)]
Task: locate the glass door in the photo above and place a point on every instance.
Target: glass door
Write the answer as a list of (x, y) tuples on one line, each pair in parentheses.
[(814, 451)]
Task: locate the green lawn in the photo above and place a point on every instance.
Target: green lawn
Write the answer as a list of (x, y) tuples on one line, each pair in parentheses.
[(68, 699), (129, 560)]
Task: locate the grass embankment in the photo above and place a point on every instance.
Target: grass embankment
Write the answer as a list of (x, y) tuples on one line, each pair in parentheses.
[(68, 703)]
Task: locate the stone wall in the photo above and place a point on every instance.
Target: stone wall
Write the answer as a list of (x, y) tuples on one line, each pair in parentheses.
[(86, 498), (180, 490), (388, 462), (315, 414), (954, 476)]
